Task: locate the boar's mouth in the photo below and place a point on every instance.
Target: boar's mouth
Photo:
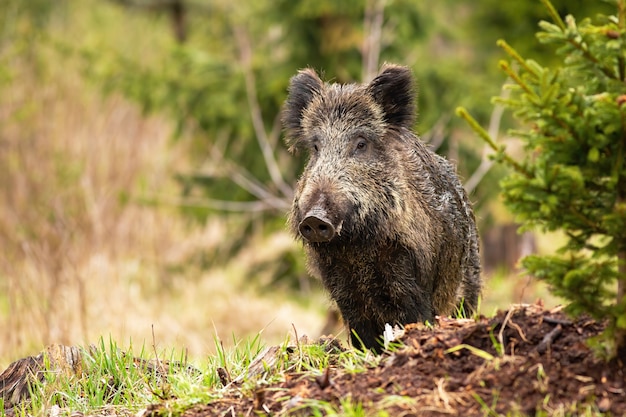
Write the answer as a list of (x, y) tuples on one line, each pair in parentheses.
[(317, 227)]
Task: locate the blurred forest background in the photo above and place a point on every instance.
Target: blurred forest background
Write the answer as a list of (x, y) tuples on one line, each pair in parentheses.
[(143, 181)]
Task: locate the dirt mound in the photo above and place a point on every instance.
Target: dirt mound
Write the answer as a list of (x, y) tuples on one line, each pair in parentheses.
[(527, 360), (524, 360)]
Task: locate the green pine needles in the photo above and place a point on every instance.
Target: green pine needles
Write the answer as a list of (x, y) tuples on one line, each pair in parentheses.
[(573, 174)]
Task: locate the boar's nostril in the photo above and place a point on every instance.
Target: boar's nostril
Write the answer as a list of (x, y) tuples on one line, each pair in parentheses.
[(316, 229)]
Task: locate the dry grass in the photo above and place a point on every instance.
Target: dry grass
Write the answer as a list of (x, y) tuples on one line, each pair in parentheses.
[(80, 258)]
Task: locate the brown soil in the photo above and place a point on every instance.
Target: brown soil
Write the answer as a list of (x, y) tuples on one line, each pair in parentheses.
[(455, 369), (526, 361)]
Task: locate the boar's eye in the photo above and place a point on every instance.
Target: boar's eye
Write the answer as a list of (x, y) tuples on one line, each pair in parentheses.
[(314, 145), (361, 146)]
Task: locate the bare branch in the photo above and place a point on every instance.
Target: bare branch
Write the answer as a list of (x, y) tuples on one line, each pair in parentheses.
[(274, 135), (373, 24), (246, 181), (245, 52), (221, 205), (217, 165), (436, 135), (494, 129)]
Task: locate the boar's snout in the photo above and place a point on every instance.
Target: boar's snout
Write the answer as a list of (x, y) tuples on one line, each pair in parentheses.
[(317, 227)]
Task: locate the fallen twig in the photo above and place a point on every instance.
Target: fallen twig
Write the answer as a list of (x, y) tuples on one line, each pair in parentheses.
[(553, 320), (547, 340), (501, 333)]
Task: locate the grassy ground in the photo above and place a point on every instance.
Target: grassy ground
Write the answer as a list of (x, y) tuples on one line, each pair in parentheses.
[(82, 257), (525, 361), (112, 381)]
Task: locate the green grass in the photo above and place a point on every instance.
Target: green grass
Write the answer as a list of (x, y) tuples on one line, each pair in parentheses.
[(110, 379), (543, 410), (123, 382), (347, 407)]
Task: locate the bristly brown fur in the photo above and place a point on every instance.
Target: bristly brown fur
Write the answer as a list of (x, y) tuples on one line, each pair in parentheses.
[(394, 91), (303, 88), (405, 245)]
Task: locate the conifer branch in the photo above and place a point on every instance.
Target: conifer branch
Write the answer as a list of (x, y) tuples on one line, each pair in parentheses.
[(484, 135), (513, 54), (515, 77), (554, 14)]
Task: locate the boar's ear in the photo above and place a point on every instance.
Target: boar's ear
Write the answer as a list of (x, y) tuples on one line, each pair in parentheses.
[(303, 87), (394, 91)]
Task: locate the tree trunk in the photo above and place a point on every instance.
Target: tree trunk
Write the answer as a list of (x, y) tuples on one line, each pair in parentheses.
[(620, 333)]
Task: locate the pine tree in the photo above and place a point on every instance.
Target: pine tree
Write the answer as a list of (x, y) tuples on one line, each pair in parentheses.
[(573, 175)]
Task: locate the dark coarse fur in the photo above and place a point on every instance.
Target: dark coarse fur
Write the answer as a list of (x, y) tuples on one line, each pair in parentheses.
[(385, 222)]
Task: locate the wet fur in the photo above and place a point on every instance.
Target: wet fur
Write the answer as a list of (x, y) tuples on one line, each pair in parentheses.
[(407, 247)]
